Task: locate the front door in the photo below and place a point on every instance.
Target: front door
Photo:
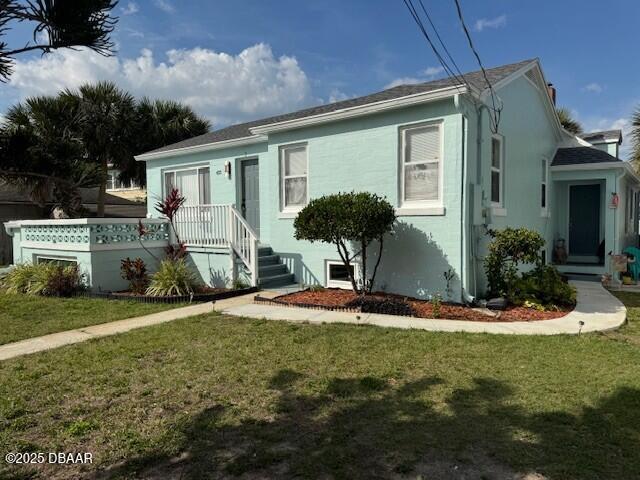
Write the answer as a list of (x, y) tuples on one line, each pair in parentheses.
[(250, 205), (584, 219)]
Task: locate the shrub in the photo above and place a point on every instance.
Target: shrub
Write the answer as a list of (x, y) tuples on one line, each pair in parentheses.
[(17, 279), (174, 277), (344, 218), (436, 303), (135, 272), (508, 249), (544, 286), (63, 281), (43, 279), (388, 306)]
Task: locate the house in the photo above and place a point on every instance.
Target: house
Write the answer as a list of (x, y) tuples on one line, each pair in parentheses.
[(129, 190), (16, 204), (430, 150)]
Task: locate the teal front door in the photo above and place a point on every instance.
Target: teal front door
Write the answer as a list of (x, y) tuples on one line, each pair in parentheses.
[(584, 220), (250, 201)]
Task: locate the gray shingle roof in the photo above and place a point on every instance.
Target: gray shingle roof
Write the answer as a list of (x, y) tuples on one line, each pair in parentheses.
[(582, 156), (603, 136), (232, 132)]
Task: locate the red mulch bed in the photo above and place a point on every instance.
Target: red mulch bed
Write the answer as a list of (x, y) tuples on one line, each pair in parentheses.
[(335, 297)]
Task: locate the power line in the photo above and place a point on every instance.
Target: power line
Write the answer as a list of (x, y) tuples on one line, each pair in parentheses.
[(448, 69), (426, 13), (496, 110)]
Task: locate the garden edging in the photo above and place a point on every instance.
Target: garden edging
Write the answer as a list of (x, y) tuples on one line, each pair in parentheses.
[(596, 310)]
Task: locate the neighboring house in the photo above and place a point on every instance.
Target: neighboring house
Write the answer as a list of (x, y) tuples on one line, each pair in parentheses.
[(428, 148), (15, 204), (129, 190)]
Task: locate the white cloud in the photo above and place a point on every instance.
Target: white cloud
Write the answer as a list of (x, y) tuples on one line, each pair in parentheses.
[(337, 95), (426, 75), (164, 5), (130, 9), (433, 72), (497, 22), (225, 88), (593, 88)]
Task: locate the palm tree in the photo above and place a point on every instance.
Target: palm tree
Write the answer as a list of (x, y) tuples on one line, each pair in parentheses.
[(568, 122), (160, 123), (106, 126), (635, 138), (40, 152)]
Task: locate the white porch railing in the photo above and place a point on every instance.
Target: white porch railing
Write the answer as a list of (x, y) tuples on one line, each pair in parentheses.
[(219, 226)]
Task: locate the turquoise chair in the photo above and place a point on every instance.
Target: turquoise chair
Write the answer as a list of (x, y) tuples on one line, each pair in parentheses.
[(634, 268)]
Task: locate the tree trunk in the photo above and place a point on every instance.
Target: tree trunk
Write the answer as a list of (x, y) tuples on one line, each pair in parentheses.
[(102, 189), (375, 268), (363, 253), (345, 260)]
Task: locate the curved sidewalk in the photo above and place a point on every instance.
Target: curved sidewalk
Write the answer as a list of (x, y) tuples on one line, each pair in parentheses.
[(596, 307)]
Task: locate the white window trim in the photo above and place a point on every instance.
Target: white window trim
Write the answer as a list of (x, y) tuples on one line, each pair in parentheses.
[(173, 170), (37, 257), (291, 212), (339, 283), (500, 204), (544, 211), (421, 207)]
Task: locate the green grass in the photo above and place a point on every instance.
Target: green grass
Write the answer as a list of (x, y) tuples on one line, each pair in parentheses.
[(218, 397), (25, 316)]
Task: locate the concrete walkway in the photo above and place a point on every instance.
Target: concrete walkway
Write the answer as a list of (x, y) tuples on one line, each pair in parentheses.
[(596, 307), (55, 340)]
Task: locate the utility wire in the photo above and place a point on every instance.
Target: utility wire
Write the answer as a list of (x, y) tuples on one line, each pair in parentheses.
[(448, 69), (496, 110), (444, 47)]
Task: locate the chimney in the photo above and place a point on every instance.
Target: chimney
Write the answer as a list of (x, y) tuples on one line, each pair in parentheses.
[(552, 92)]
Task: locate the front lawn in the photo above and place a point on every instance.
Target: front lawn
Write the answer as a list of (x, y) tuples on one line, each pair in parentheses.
[(219, 397), (27, 316)]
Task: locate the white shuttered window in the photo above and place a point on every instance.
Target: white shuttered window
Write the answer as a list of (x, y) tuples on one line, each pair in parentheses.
[(421, 175)]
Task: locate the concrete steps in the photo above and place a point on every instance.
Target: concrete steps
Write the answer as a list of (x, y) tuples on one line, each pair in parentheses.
[(271, 271)]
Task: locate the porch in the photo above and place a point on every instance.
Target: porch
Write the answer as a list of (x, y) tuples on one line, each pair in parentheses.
[(594, 217), (221, 246)]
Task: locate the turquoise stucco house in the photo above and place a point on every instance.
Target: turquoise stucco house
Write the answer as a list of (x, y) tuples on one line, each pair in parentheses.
[(429, 149)]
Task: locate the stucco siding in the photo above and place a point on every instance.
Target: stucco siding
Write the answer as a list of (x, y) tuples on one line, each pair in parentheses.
[(362, 155), (529, 137)]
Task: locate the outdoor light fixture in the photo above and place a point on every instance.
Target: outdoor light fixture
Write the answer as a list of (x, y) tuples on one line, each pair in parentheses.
[(227, 168)]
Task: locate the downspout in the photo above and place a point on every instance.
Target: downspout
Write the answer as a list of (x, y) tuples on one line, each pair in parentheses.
[(466, 297), (472, 238)]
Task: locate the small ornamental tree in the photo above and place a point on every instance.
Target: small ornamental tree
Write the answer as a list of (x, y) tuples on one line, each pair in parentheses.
[(507, 249), (348, 218)]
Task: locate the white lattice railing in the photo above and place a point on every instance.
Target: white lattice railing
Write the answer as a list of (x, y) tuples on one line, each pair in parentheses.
[(219, 226)]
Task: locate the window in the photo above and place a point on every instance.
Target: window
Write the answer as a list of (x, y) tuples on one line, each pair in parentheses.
[(543, 186), (421, 165), (61, 261), (193, 183), (114, 182), (293, 174), (337, 274), (497, 168)]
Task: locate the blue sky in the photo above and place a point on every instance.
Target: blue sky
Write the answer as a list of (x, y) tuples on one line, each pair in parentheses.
[(243, 59)]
